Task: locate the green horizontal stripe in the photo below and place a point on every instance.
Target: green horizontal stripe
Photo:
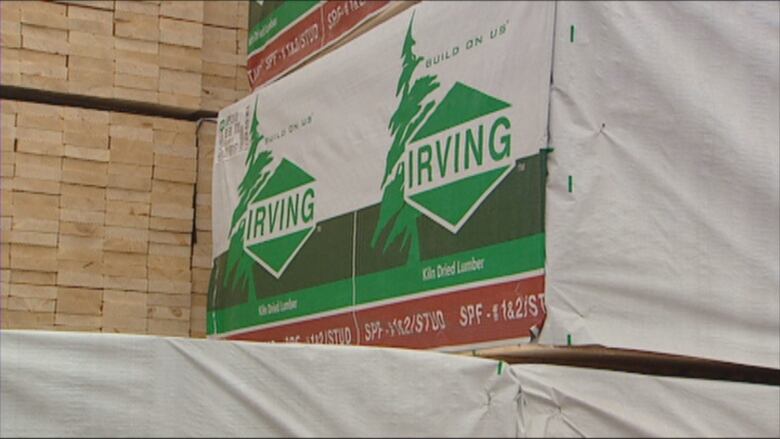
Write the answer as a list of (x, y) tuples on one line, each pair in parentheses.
[(313, 300), (503, 259), (284, 15)]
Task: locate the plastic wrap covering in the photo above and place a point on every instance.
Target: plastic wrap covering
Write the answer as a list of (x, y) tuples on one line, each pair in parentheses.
[(663, 208), (103, 385), (562, 401), (392, 192)]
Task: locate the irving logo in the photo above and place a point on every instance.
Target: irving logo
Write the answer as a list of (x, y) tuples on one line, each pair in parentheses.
[(280, 218), (458, 156), (274, 217), (444, 160)]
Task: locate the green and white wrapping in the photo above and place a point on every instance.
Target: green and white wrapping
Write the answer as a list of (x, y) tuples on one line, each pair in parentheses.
[(285, 33), (391, 193)]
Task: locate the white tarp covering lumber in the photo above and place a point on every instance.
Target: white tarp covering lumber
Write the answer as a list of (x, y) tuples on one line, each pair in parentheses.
[(98, 385), (562, 401), (77, 384), (663, 212)]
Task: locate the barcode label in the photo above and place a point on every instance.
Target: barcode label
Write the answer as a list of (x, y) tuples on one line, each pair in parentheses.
[(233, 134)]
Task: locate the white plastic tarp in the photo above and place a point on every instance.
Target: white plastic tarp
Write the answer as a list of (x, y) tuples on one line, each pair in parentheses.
[(72, 384), (663, 214), (562, 401), (78, 384)]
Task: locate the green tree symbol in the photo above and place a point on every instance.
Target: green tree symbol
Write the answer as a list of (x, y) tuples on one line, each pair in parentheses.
[(239, 268), (394, 213)]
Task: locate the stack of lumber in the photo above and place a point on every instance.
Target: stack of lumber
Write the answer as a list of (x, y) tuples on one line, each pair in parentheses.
[(183, 54), (97, 220), (201, 248)]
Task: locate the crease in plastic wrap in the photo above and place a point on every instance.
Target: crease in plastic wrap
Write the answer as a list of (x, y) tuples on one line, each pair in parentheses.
[(61, 384), (663, 205), (560, 401), (104, 385)]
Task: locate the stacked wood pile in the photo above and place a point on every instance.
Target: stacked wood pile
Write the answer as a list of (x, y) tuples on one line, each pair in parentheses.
[(97, 220), (201, 248), (183, 54)]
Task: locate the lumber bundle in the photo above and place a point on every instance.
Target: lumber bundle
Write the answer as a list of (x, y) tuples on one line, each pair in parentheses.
[(275, 26), (97, 220), (201, 248), (184, 54)]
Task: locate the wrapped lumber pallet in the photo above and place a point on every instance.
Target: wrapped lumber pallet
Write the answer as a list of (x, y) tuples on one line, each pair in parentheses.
[(285, 35)]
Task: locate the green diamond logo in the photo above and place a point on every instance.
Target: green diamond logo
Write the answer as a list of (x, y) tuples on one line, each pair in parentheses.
[(280, 218), (458, 156)]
